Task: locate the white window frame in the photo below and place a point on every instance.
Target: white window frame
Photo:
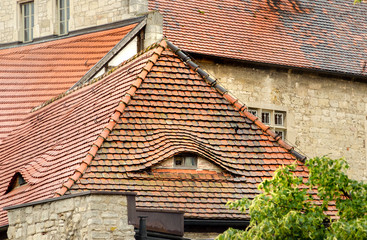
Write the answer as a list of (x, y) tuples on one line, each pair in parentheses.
[(268, 119), (274, 125), (253, 112), (280, 132), (63, 16), (27, 31), (282, 114)]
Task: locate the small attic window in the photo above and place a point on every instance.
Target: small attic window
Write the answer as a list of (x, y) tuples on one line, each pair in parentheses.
[(185, 161), (16, 182)]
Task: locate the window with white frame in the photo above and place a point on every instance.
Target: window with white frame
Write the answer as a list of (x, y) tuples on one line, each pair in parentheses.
[(185, 161), (63, 13), (253, 112), (273, 118), (266, 117), (27, 13)]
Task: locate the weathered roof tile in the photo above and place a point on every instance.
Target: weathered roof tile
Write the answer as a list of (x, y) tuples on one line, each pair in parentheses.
[(321, 35), (57, 139), (53, 143), (33, 74), (201, 122)]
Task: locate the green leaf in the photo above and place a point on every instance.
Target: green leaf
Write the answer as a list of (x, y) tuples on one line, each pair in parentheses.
[(292, 207)]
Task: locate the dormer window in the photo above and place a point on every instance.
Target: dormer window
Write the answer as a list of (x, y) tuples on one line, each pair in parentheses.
[(16, 182), (185, 161)]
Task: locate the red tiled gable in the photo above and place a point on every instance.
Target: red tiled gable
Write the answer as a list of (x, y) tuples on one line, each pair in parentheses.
[(173, 110), (328, 35), (32, 74), (52, 142)]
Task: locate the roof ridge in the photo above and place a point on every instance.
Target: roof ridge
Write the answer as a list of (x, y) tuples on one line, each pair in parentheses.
[(237, 104), (78, 173)]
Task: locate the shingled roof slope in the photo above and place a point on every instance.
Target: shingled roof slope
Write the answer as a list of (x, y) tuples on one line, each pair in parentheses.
[(323, 35), (173, 109), (32, 74), (53, 141)]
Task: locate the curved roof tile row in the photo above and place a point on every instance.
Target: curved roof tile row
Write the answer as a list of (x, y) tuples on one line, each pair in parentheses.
[(52, 141), (108, 135), (148, 134)]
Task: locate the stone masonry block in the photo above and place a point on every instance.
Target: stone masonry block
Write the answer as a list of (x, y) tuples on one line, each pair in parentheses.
[(69, 223), (65, 205)]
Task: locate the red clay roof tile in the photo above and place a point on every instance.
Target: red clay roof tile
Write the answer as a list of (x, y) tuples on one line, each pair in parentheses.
[(164, 116), (33, 74), (156, 127), (53, 143), (287, 33)]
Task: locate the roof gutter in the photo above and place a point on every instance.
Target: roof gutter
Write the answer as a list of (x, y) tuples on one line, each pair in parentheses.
[(217, 223), (4, 228), (161, 236)]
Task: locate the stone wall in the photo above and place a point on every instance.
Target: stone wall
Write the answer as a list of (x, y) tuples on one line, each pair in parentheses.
[(325, 115), (80, 217), (154, 28), (8, 31), (83, 14)]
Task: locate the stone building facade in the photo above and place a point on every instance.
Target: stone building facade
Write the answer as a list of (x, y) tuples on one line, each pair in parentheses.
[(325, 115), (83, 14)]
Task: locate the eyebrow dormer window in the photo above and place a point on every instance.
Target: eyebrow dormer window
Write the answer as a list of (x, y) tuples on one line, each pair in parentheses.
[(16, 182), (185, 161)]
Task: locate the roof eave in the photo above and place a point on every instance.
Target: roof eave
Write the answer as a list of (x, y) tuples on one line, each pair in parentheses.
[(75, 33), (333, 73)]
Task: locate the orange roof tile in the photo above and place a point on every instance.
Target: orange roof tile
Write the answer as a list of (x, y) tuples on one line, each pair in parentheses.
[(32, 74), (175, 110), (52, 142), (328, 35), (108, 135)]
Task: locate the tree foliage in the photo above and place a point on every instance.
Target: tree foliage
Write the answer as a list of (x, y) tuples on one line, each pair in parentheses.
[(289, 206)]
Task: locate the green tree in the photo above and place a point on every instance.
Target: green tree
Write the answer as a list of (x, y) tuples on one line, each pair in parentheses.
[(289, 207)]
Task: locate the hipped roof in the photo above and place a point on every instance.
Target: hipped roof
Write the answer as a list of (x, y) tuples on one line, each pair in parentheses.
[(109, 134)]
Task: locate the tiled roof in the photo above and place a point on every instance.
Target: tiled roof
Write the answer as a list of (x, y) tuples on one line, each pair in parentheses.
[(32, 74), (170, 109), (52, 141), (328, 35)]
